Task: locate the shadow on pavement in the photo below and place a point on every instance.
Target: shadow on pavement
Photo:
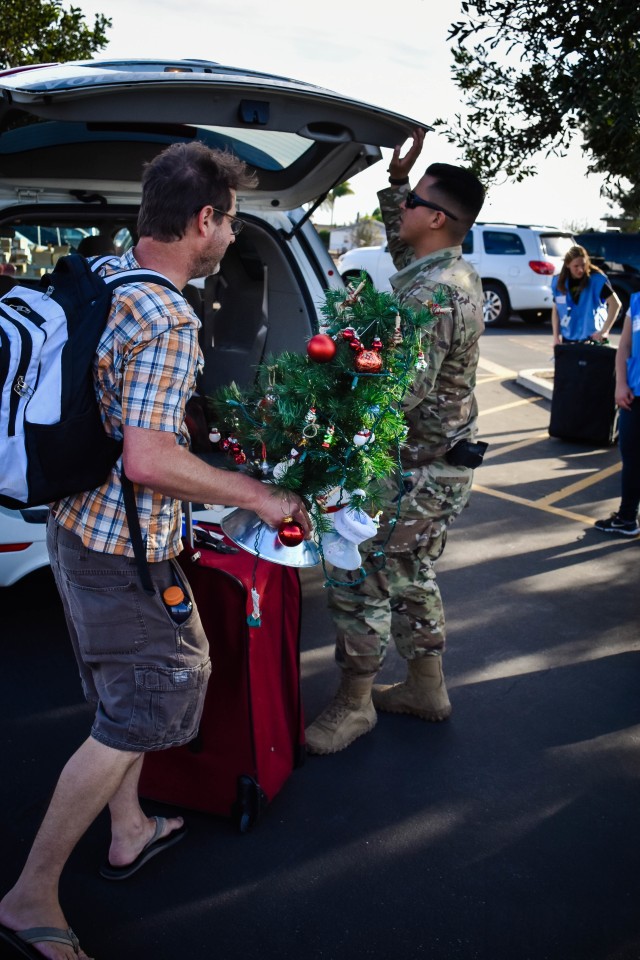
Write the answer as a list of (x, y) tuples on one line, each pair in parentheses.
[(509, 832)]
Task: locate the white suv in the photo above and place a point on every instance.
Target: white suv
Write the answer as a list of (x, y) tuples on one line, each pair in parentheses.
[(514, 261)]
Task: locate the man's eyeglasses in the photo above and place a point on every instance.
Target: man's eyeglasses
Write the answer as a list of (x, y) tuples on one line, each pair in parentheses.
[(236, 225), (412, 200)]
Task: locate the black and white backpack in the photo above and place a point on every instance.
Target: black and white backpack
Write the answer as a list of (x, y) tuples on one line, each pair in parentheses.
[(52, 441)]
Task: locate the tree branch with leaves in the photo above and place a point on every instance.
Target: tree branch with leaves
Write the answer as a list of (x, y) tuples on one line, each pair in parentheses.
[(536, 76), (32, 31)]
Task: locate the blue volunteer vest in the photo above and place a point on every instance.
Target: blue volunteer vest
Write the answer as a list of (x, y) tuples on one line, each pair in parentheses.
[(633, 363), (579, 320)]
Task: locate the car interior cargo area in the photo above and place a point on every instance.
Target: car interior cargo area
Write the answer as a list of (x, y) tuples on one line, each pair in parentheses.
[(257, 281)]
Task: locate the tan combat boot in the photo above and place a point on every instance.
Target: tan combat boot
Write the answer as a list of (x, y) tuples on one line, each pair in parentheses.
[(350, 714), (422, 694)]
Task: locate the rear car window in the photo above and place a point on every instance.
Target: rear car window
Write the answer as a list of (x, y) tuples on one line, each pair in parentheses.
[(502, 242), (467, 243), (33, 248), (555, 244)]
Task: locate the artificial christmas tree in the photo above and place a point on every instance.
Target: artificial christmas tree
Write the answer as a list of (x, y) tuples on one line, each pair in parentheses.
[(328, 423)]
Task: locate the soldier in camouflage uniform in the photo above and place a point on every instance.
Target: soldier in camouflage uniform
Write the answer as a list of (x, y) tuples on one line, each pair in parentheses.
[(425, 230)]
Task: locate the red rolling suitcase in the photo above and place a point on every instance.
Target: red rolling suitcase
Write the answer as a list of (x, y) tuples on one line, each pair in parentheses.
[(252, 730)]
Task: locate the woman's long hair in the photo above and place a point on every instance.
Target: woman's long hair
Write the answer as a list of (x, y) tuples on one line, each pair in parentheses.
[(572, 254)]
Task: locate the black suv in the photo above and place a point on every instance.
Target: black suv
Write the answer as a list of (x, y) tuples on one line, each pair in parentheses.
[(618, 254)]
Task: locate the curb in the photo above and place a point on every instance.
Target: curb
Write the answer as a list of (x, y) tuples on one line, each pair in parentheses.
[(539, 381)]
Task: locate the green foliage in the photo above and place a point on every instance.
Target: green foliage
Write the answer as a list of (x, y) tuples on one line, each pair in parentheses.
[(538, 76), (303, 416), (341, 190), (43, 31), (364, 233)]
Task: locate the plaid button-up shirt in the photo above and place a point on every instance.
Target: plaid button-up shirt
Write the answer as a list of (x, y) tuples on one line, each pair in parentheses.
[(144, 373)]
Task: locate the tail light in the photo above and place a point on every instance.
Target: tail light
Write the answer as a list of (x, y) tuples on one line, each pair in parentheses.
[(542, 267), (13, 547)]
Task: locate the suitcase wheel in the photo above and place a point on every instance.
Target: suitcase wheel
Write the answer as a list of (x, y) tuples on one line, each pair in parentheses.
[(249, 803)]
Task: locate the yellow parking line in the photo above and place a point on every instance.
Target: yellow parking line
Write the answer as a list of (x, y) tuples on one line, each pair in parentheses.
[(513, 447), (534, 504), (491, 378), (509, 406), (533, 345), (580, 485), (544, 504)]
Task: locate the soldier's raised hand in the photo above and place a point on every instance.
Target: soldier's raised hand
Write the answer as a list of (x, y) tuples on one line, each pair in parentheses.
[(400, 167)]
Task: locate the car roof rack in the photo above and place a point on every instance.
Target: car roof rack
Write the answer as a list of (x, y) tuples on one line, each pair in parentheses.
[(520, 226)]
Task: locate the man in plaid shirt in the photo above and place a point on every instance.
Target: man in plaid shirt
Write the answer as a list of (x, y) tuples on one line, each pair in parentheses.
[(146, 675)]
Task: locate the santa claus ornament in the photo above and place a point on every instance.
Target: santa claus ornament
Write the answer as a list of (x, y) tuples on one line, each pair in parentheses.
[(363, 437)]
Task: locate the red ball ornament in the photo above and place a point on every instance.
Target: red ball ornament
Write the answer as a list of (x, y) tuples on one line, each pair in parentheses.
[(290, 532), (321, 348), (368, 361)]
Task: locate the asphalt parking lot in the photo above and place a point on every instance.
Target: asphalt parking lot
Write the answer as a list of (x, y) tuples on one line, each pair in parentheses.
[(508, 833)]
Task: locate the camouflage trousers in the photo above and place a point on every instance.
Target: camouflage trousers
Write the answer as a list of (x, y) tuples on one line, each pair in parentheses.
[(400, 597)]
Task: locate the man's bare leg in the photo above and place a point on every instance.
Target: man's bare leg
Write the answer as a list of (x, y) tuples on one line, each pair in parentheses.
[(131, 829), (89, 781)]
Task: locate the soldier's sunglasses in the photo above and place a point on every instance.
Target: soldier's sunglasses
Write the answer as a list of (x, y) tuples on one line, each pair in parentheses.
[(412, 200)]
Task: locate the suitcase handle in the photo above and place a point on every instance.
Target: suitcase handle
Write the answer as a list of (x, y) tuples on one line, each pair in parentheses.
[(188, 521)]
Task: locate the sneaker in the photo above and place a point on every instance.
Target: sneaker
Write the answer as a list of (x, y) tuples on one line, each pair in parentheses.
[(615, 524)]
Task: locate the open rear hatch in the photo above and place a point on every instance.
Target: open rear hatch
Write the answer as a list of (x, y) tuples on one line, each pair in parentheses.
[(90, 126)]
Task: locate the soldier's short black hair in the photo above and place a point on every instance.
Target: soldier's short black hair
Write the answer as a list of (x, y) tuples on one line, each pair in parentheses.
[(459, 186)]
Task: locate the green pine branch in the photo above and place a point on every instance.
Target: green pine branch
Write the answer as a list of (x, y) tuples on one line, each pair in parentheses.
[(306, 418)]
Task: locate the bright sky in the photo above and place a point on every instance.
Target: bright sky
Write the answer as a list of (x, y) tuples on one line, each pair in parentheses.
[(357, 48)]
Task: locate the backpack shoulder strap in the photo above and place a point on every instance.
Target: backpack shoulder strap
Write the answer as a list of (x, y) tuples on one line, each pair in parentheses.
[(121, 277), (139, 276), (96, 263)]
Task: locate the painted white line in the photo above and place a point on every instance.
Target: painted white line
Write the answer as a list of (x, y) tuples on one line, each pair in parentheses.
[(485, 364)]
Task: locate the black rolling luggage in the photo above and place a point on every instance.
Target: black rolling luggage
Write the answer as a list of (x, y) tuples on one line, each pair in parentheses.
[(583, 405)]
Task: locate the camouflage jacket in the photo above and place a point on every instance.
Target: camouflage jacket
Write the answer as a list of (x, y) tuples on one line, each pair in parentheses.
[(440, 408)]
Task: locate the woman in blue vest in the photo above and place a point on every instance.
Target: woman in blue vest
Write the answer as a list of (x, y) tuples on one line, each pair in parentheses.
[(625, 521), (584, 304)]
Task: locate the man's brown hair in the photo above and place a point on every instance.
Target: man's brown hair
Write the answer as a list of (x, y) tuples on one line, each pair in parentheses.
[(183, 179)]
